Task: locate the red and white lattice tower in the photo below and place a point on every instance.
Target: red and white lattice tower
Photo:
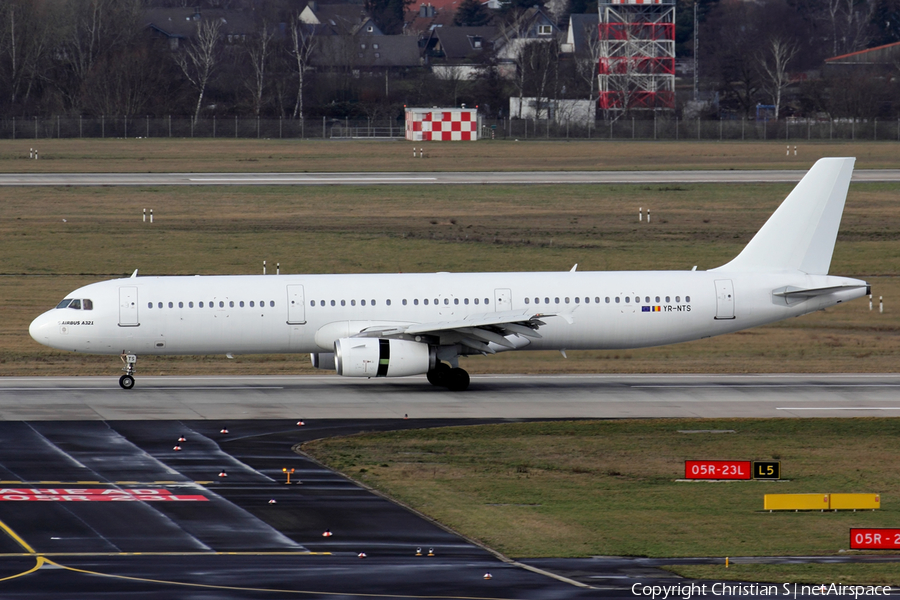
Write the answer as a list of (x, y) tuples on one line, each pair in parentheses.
[(441, 124), (637, 55)]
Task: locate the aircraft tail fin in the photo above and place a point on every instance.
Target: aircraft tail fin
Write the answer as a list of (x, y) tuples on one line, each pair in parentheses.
[(800, 234)]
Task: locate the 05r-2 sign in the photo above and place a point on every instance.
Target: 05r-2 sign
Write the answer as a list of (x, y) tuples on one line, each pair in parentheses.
[(717, 469), (875, 539)]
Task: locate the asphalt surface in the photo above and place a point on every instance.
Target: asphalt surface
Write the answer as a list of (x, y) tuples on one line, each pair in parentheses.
[(489, 396), (175, 528), (428, 178), (228, 540)]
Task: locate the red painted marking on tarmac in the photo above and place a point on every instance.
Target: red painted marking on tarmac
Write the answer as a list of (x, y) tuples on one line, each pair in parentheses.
[(94, 495)]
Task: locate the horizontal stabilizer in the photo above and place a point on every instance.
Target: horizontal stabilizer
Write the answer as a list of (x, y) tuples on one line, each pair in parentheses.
[(794, 292)]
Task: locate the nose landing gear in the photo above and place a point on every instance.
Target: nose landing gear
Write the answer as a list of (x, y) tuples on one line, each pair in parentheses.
[(126, 381)]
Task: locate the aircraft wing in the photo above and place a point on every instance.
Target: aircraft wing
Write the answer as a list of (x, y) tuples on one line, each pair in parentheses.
[(507, 329)]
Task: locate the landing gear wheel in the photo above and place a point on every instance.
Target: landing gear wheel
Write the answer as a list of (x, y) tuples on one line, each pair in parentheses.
[(457, 380), (126, 381), (438, 375)]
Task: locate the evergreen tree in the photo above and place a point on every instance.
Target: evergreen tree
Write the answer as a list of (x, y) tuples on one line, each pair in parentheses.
[(472, 13)]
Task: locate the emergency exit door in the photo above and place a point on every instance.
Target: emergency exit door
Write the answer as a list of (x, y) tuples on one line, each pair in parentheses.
[(296, 305)]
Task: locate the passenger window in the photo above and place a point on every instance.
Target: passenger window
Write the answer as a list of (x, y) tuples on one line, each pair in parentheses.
[(607, 299), (89, 304), (321, 303), (372, 302), (486, 301), (362, 302), (618, 299), (647, 299), (466, 301), (159, 304), (353, 303), (577, 300), (221, 304), (476, 300), (637, 299), (404, 302), (252, 304), (597, 299), (181, 305), (190, 305), (212, 304), (425, 301), (312, 302), (149, 305), (677, 299), (332, 302), (171, 305), (667, 299), (557, 300), (687, 298), (242, 304), (657, 298), (272, 303), (231, 304), (537, 300), (627, 299), (456, 301), (200, 305), (436, 302), (567, 299), (527, 301), (416, 302), (546, 300), (388, 301), (262, 303), (446, 301)]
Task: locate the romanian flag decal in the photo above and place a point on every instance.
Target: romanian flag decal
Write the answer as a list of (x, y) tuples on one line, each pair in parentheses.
[(651, 309)]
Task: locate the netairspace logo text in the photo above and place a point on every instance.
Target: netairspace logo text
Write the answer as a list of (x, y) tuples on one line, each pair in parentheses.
[(687, 591)]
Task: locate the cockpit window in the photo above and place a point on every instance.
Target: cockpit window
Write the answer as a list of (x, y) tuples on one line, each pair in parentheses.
[(64, 303), (76, 304), (87, 304)]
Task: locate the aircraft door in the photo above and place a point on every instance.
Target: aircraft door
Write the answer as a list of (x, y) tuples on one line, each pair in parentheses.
[(128, 307), (502, 300), (296, 305), (724, 299)]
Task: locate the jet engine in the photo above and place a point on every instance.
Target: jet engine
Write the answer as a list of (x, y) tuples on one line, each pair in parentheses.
[(372, 357)]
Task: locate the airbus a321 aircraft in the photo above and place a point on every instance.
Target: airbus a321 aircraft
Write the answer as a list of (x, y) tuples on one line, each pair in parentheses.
[(394, 325)]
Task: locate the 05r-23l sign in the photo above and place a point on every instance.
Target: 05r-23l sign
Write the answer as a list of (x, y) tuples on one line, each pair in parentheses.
[(731, 469)]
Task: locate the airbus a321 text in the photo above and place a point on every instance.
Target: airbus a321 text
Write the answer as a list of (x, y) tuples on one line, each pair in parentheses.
[(394, 325)]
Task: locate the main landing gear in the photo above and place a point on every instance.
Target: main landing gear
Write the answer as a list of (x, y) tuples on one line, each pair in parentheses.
[(127, 380), (454, 379)]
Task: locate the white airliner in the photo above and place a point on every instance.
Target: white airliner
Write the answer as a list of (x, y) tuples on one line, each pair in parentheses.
[(394, 325)]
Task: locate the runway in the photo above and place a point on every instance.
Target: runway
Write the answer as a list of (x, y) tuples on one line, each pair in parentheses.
[(489, 397), (429, 178)]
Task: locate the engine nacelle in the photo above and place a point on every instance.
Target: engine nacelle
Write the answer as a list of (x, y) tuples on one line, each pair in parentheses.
[(322, 360), (372, 357)]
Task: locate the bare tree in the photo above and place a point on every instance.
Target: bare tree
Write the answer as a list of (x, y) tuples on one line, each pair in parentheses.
[(773, 63), (587, 62), (24, 44), (512, 52), (303, 43), (258, 51), (198, 59)]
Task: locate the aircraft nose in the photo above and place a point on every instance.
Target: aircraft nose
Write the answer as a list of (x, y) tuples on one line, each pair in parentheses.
[(41, 328)]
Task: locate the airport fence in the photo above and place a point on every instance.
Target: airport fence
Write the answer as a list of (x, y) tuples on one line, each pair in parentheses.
[(625, 128)]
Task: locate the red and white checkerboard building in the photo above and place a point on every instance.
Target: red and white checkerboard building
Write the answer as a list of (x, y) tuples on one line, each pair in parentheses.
[(441, 124)]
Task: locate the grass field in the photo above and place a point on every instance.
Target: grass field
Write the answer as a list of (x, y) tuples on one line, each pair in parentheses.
[(588, 488), (53, 240), (242, 155)]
